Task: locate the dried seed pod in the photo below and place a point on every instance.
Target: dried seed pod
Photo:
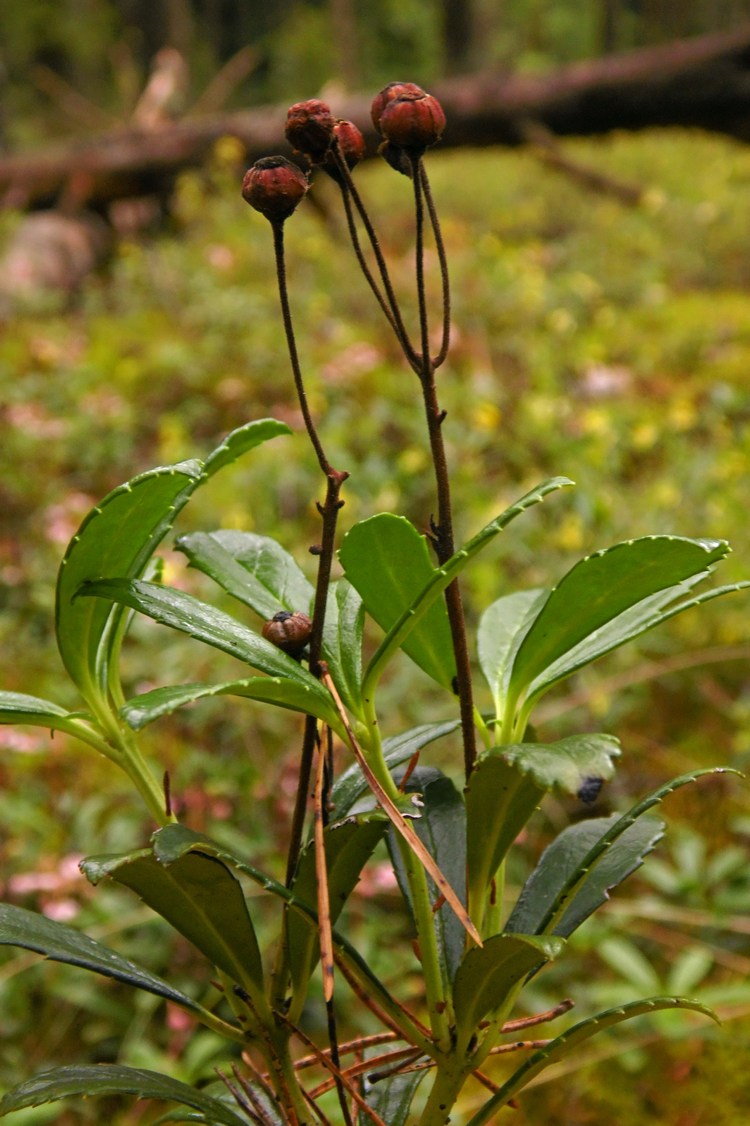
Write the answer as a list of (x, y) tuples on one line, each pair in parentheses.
[(309, 129), (388, 93), (288, 631), (351, 145), (274, 186), (412, 121)]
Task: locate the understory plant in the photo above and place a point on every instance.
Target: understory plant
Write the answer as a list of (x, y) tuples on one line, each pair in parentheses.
[(320, 648)]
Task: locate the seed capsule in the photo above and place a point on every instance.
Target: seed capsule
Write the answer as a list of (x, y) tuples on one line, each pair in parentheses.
[(288, 631), (388, 94), (412, 121), (274, 186), (351, 145), (309, 128)]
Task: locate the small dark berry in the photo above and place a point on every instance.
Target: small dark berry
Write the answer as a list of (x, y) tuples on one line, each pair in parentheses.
[(309, 128), (590, 789), (274, 186), (288, 631), (412, 121), (388, 93)]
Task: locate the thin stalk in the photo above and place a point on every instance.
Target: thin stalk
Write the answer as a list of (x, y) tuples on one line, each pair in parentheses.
[(443, 260), (390, 304), (443, 537)]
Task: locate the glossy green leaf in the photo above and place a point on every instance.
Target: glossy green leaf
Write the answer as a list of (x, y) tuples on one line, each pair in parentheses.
[(342, 642), (242, 440), (392, 1098), (489, 975), (442, 829), (582, 878), (506, 787), (638, 577), (281, 691), (566, 856), (221, 1093), (388, 562), (198, 895), (118, 538), (412, 616), (348, 847), (61, 943), (397, 750), (570, 1041), (255, 569), (174, 841), (18, 708), (497, 637), (183, 612), (114, 1079)]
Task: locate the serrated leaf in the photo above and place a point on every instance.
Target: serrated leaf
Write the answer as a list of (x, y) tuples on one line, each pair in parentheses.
[(198, 895), (113, 1079), (489, 975), (499, 628), (242, 440), (649, 572), (397, 750), (61, 943), (413, 615), (342, 642), (565, 856), (387, 561), (284, 693), (348, 847), (254, 569), (174, 841), (442, 830), (202, 622), (582, 877), (569, 1042), (118, 537), (392, 1098), (506, 787)]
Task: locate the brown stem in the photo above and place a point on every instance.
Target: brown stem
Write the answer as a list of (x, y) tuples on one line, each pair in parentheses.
[(443, 260), (443, 531)]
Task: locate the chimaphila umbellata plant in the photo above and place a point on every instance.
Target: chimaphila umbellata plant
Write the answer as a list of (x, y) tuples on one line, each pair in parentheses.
[(475, 950)]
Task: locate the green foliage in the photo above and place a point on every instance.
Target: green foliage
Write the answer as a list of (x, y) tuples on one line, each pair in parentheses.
[(449, 849)]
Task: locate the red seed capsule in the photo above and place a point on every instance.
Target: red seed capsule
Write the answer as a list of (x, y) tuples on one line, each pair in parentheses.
[(274, 186), (388, 93), (288, 631), (351, 145), (309, 128), (412, 121)]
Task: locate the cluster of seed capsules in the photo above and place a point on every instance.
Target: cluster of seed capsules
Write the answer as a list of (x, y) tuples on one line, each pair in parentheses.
[(408, 119)]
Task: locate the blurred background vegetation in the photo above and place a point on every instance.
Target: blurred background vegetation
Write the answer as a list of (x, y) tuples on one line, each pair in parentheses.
[(606, 342)]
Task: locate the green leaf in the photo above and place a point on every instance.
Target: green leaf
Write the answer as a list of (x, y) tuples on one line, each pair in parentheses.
[(497, 637), (348, 847), (584, 871), (284, 693), (183, 612), (201, 899), (255, 569), (387, 561), (18, 708), (241, 441), (565, 857), (569, 1042), (391, 1098), (60, 943), (174, 841), (397, 750), (638, 578), (342, 642), (113, 1079), (506, 787), (442, 830), (118, 537), (488, 976), (412, 616)]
